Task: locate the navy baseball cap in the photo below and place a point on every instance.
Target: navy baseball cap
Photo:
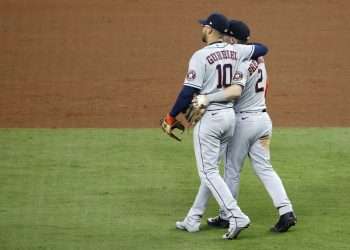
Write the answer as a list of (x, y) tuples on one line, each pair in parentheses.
[(238, 30), (216, 21)]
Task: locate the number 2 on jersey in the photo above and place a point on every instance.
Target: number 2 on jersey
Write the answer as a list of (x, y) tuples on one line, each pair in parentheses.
[(222, 78), (257, 87)]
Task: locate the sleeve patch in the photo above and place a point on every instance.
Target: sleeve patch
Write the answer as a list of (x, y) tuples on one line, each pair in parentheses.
[(237, 76), (191, 75)]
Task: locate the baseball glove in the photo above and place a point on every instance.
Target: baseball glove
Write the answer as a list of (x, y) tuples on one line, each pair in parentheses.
[(169, 124), (194, 113)]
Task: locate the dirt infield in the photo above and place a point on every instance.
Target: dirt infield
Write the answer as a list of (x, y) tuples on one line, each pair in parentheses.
[(121, 63)]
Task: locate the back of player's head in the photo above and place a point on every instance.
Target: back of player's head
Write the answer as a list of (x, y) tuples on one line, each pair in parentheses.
[(238, 30), (217, 21)]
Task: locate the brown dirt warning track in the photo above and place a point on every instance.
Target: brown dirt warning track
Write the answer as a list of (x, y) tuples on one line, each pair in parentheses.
[(121, 63)]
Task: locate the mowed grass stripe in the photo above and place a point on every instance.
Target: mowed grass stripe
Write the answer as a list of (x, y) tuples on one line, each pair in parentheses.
[(125, 188)]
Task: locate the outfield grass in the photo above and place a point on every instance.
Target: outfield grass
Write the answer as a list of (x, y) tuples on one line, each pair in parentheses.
[(124, 189)]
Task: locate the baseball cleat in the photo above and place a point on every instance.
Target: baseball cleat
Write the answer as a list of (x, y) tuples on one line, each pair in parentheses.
[(285, 222), (236, 228), (218, 222), (188, 226)]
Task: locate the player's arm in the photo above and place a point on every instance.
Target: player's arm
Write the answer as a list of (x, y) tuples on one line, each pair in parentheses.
[(252, 51), (259, 50), (230, 93), (183, 101), (192, 86)]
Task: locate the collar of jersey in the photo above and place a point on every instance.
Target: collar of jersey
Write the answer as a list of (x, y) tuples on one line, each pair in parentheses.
[(215, 42)]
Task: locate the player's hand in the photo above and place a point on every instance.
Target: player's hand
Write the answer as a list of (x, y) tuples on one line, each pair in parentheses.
[(261, 59), (200, 101), (169, 124)]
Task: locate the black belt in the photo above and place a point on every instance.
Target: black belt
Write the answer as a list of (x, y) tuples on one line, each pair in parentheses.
[(241, 112)]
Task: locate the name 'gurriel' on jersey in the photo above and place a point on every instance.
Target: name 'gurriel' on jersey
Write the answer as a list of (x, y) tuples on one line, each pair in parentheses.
[(220, 55)]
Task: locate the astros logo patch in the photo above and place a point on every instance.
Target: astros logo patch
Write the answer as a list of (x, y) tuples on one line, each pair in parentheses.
[(191, 75), (237, 76)]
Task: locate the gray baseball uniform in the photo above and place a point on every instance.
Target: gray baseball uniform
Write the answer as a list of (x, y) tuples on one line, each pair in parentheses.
[(210, 70), (251, 137)]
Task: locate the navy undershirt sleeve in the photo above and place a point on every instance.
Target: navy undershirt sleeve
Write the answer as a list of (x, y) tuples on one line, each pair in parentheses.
[(184, 99), (259, 50)]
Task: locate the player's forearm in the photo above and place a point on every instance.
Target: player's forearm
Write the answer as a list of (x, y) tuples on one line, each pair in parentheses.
[(183, 100), (233, 92), (227, 95)]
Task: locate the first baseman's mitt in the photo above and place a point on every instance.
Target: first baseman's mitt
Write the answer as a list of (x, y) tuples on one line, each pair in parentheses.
[(169, 124)]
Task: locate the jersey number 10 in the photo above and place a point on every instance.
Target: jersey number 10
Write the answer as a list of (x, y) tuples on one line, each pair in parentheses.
[(223, 80)]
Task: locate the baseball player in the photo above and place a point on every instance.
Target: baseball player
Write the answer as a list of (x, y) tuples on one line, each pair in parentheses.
[(210, 71), (252, 136)]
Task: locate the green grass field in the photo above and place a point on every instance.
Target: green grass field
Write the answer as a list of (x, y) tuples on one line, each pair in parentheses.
[(124, 189)]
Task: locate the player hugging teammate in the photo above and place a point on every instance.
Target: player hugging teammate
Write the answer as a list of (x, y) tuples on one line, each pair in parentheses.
[(226, 84)]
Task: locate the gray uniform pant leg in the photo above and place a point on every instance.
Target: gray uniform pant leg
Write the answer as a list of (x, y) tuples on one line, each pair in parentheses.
[(214, 129), (260, 160), (246, 140), (234, 155)]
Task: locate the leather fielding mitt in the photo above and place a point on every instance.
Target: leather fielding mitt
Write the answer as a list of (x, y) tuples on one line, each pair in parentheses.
[(169, 124), (194, 113)]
